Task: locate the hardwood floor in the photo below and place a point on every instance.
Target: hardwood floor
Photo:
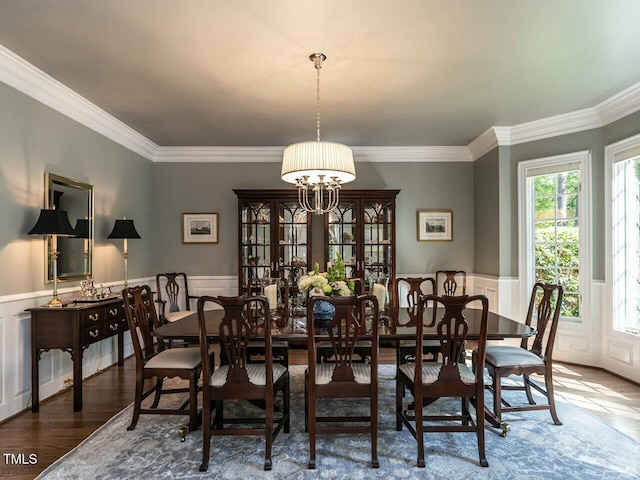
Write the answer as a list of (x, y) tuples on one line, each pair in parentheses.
[(56, 429)]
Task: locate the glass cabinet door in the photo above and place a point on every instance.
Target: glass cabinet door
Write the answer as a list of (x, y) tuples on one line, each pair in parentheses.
[(293, 240), (342, 236), (255, 241), (378, 240)]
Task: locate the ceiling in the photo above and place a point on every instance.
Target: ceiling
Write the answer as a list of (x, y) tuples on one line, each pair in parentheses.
[(402, 72)]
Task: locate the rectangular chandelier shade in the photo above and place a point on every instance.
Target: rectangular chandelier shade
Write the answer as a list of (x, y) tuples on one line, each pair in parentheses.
[(313, 159)]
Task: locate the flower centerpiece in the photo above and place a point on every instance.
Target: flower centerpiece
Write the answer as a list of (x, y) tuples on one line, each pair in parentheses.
[(332, 282)]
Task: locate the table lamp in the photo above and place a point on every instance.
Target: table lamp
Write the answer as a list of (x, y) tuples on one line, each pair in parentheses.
[(124, 229), (53, 222)]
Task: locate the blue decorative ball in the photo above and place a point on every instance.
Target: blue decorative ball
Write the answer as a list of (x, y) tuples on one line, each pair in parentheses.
[(323, 310)]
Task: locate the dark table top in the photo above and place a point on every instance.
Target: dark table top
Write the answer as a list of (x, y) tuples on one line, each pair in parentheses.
[(396, 325)]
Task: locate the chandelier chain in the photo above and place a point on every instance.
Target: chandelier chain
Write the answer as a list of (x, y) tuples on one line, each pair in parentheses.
[(318, 100)]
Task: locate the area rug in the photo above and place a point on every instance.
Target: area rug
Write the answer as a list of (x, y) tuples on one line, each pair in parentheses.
[(584, 447)]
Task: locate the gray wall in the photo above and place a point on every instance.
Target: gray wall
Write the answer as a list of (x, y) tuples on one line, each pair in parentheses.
[(200, 187), (486, 201), (35, 139)]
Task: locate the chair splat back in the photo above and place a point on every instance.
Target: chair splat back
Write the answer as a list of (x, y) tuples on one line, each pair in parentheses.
[(545, 301), (172, 289), (416, 287), (144, 319), (452, 333), (450, 281)]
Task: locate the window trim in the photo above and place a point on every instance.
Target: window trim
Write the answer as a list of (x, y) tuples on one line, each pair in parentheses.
[(610, 152), (525, 233)]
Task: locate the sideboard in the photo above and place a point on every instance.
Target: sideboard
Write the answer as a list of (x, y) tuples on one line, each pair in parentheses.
[(72, 329)]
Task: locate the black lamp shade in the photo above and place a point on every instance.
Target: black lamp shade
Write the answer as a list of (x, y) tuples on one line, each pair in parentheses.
[(124, 229), (82, 228), (52, 222)]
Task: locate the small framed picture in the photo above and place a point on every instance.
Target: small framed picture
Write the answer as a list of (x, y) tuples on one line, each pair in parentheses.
[(199, 228), (435, 225)]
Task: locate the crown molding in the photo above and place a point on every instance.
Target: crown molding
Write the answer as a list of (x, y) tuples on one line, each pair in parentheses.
[(30, 80), (554, 126), (620, 105), (274, 154), (484, 143), (218, 154), (411, 154)]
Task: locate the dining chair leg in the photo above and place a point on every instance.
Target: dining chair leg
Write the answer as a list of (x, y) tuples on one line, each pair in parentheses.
[(466, 414), (138, 401), (399, 395), (158, 393), (497, 394), (268, 432), (206, 435), (193, 400), (419, 433), (527, 388), (219, 418), (311, 418), (306, 403), (548, 380), (480, 412), (374, 429), (286, 406)]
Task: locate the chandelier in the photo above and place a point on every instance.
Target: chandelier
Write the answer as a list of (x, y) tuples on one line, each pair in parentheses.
[(318, 167)]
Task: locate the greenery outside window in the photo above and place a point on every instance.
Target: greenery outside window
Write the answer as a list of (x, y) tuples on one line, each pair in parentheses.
[(554, 238)]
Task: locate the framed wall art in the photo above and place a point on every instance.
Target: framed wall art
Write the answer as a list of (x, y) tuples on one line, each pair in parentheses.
[(435, 225), (199, 228)]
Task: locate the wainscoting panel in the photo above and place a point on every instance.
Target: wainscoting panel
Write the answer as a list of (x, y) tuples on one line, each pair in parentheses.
[(621, 352), (573, 344)]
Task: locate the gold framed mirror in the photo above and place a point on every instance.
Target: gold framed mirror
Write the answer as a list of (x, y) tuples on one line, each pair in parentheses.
[(75, 253)]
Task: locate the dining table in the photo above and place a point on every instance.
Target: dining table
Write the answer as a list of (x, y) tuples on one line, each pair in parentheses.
[(393, 324)]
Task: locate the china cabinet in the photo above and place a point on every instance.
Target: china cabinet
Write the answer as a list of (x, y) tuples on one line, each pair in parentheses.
[(362, 229), (274, 236)]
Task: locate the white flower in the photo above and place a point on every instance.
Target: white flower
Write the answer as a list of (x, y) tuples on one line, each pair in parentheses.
[(316, 292)]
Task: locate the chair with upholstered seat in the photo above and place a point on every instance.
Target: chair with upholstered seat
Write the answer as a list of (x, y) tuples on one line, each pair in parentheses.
[(153, 360), (449, 378), (169, 285), (343, 378), (324, 349), (415, 287), (503, 360), (447, 282), (239, 380)]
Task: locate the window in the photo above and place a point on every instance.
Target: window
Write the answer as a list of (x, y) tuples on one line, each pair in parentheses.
[(623, 165), (553, 234), (556, 238)]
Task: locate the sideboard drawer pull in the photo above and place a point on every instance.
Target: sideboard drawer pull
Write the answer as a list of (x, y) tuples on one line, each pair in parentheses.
[(113, 312), (94, 317), (113, 327), (94, 333)]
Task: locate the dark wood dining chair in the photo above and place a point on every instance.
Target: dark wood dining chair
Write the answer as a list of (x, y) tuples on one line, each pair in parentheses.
[(279, 348), (447, 282), (415, 288), (449, 378), (324, 349), (170, 298), (238, 379), (153, 360), (531, 357), (343, 378)]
